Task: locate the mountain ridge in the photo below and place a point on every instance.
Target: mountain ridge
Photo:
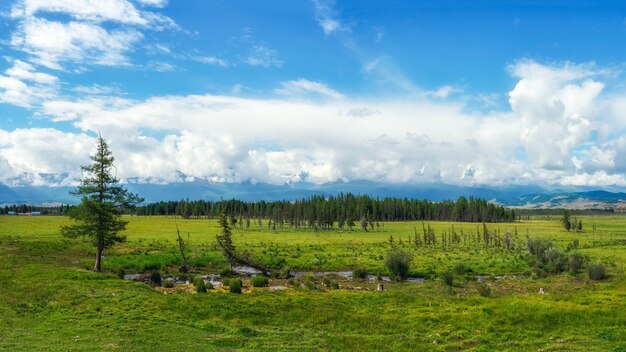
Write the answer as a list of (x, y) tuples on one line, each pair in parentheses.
[(523, 196)]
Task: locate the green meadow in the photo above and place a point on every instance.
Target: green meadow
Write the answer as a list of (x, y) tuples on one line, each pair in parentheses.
[(51, 301)]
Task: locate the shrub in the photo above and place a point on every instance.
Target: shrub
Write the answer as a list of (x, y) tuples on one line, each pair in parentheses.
[(226, 272), (483, 289), (310, 284), (538, 271), (397, 262), (573, 245), (259, 281), (359, 273), (209, 285), (448, 278), (294, 282), (537, 247), (234, 285), (326, 281), (576, 261), (155, 278), (335, 285), (596, 271), (555, 260), (120, 273), (460, 269), (168, 283), (200, 285)]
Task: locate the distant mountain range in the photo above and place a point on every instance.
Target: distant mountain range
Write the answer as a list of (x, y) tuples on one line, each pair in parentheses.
[(517, 196)]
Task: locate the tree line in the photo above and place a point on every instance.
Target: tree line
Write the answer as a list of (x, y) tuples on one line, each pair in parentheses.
[(326, 212), (62, 209)]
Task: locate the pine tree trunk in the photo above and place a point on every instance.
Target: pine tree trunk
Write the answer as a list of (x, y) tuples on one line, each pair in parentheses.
[(97, 267)]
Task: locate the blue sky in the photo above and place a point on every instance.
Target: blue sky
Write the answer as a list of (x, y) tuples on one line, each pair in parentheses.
[(464, 92)]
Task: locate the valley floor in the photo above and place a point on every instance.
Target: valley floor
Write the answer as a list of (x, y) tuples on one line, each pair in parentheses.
[(50, 301)]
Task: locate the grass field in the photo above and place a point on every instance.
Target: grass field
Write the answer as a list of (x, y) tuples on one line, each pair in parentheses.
[(49, 300)]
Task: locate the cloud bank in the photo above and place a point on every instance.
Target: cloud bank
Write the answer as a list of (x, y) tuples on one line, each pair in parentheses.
[(550, 135)]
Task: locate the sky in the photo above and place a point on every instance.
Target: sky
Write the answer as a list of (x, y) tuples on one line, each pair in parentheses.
[(317, 91)]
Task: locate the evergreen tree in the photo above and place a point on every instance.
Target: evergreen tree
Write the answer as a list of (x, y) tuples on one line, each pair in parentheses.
[(99, 214), (225, 241), (566, 220)]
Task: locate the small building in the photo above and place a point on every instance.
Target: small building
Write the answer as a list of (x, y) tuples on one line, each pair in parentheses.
[(621, 208)]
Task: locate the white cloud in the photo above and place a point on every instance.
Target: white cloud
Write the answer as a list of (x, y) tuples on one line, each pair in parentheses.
[(97, 89), (34, 152), (154, 3), (23, 85), (303, 87), (263, 56), (238, 139), (443, 92), (121, 11), (327, 18), (556, 106), (94, 33), (212, 60), (160, 66), (51, 43), (373, 64), (551, 135), (596, 179)]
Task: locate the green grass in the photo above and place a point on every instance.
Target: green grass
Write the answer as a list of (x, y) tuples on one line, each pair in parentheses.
[(49, 301)]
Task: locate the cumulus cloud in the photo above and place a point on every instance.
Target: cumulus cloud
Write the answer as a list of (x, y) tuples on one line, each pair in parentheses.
[(231, 139), (556, 115), (40, 152), (23, 85), (556, 106)]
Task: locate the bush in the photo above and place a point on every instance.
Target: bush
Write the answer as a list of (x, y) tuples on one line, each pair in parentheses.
[(555, 260), (234, 285), (335, 285), (538, 271), (596, 271), (448, 278), (327, 281), (483, 289), (209, 285), (226, 272), (460, 269), (576, 261), (155, 278), (398, 262), (537, 247), (120, 273), (294, 282), (309, 282), (200, 285), (359, 273), (259, 281), (168, 283)]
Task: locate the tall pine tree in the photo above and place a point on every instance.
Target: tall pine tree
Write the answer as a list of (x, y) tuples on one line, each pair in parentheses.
[(99, 214)]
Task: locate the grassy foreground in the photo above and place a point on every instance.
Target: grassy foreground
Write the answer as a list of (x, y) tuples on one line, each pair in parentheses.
[(50, 301)]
